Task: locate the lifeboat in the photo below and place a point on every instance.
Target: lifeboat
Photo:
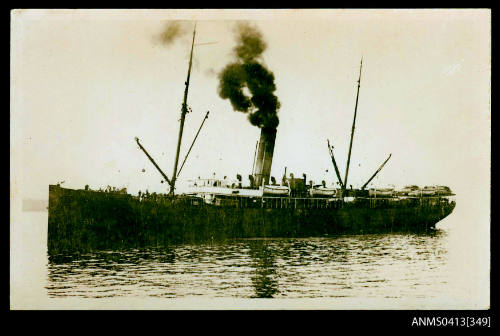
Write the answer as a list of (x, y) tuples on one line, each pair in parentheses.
[(409, 190), (323, 192), (381, 192), (276, 190), (436, 190)]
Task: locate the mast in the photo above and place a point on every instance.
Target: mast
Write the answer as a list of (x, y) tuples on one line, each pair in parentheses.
[(353, 127), (184, 110)]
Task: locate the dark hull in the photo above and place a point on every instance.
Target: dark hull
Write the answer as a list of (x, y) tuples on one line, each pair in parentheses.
[(85, 220)]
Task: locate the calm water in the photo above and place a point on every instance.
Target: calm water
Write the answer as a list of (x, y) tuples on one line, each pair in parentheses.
[(366, 266)]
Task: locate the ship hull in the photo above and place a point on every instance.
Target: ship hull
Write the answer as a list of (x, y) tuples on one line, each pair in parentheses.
[(82, 220)]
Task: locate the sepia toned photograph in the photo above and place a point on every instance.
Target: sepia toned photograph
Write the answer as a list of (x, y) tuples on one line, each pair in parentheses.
[(250, 159)]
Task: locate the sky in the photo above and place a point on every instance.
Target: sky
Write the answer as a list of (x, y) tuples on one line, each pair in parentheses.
[(85, 83)]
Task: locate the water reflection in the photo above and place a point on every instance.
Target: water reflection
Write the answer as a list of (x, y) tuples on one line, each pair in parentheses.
[(264, 261), (345, 266)]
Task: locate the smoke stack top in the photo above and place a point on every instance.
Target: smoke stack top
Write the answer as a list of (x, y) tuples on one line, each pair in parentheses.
[(262, 105)]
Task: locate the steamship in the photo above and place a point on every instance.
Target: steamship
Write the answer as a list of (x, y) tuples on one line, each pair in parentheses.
[(225, 209)]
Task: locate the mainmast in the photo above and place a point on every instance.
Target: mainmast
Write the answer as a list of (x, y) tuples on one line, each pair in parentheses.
[(353, 126), (184, 110)]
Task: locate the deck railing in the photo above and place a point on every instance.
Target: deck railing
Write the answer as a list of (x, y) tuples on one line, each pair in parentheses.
[(319, 203)]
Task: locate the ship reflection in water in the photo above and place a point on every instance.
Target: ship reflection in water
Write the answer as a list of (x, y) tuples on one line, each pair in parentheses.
[(369, 266)]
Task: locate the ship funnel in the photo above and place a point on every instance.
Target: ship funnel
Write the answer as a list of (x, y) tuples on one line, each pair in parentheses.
[(264, 158)]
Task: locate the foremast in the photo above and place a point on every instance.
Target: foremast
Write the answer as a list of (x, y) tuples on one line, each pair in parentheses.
[(184, 110)]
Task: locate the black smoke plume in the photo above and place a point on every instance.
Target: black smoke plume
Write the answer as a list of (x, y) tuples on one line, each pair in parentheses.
[(171, 32), (262, 106)]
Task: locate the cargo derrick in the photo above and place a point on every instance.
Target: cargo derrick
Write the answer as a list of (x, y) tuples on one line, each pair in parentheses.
[(330, 149), (375, 174)]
